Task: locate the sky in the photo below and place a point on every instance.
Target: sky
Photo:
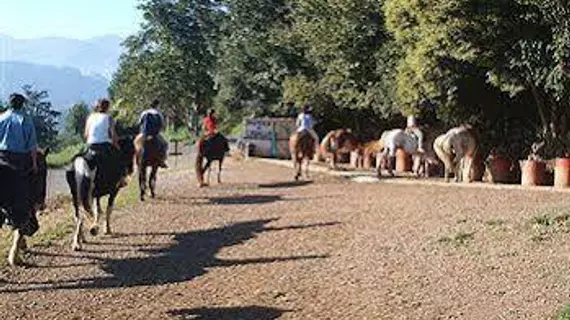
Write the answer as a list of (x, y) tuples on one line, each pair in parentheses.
[(77, 19)]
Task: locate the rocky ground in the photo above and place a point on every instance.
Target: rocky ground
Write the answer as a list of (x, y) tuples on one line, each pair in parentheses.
[(262, 247)]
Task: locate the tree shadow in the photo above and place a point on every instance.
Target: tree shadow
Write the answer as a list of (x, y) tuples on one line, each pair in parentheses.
[(288, 184), (229, 313), (190, 256)]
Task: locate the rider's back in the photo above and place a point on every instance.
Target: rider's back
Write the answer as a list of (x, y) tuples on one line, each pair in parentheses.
[(17, 134), (151, 122), (98, 128), (304, 122)]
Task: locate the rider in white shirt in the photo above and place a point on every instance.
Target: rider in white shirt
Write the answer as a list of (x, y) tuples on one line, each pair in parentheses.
[(305, 122), (103, 143)]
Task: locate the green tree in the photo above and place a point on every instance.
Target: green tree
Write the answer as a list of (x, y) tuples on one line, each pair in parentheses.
[(254, 59), (536, 63), (353, 58), (44, 116), (76, 118), (171, 59)]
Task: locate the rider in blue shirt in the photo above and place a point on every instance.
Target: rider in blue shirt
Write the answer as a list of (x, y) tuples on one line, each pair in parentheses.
[(17, 132), (18, 152), (151, 124)]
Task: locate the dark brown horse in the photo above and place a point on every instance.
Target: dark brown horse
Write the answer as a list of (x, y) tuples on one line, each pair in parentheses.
[(147, 155), (301, 146), (213, 149), (337, 142)]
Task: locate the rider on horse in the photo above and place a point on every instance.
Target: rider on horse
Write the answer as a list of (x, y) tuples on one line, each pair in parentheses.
[(151, 124), (103, 144), (210, 123), (18, 157), (305, 123), (413, 129)]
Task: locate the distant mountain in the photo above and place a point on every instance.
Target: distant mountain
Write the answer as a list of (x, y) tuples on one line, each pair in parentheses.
[(93, 56), (66, 86)]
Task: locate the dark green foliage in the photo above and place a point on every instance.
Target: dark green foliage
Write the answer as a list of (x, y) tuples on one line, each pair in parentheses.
[(44, 116)]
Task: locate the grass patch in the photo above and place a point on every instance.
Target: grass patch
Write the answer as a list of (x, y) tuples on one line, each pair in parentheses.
[(543, 221), (56, 233), (564, 314), (62, 158), (459, 239), (495, 222)]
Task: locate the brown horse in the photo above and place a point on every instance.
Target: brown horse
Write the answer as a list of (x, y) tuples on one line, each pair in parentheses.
[(336, 142), (456, 149), (301, 146), (147, 155), (212, 148)]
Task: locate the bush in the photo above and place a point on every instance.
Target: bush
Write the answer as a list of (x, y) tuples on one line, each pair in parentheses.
[(65, 156), (177, 135)]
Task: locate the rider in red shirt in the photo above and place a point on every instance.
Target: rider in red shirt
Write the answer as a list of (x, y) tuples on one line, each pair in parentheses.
[(210, 123)]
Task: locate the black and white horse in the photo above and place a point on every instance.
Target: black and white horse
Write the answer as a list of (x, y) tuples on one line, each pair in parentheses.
[(87, 185), (9, 195)]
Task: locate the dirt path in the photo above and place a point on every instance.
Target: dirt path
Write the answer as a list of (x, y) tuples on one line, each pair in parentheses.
[(258, 247)]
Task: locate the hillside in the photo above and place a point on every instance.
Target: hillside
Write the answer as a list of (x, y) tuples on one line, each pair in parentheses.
[(93, 56), (65, 85)]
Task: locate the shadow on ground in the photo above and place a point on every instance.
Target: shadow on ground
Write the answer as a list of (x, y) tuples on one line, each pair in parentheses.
[(190, 256), (225, 200), (288, 184), (246, 199), (242, 313)]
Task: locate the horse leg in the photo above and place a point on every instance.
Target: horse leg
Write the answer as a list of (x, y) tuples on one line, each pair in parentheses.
[(23, 244), (94, 230), (207, 168), (142, 181), (108, 211), (220, 162), (78, 237), (308, 161), (332, 161), (152, 181), (13, 258), (389, 162), (298, 168)]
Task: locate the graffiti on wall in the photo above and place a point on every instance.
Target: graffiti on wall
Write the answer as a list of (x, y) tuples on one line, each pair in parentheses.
[(264, 129)]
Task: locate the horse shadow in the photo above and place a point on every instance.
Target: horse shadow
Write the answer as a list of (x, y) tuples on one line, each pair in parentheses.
[(229, 313), (191, 255)]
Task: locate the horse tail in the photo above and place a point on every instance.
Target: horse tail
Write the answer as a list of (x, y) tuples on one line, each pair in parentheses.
[(199, 163), (444, 156)]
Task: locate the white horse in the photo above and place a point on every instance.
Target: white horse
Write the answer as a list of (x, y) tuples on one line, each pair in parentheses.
[(456, 149), (409, 140)]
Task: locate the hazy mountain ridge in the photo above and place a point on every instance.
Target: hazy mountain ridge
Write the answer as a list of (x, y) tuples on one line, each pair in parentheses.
[(65, 85), (98, 55)]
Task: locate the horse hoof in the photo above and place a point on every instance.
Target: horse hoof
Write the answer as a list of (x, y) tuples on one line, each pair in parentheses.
[(76, 247), (94, 231)]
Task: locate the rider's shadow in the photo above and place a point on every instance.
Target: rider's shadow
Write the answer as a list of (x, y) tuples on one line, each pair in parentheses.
[(192, 254), (229, 313)]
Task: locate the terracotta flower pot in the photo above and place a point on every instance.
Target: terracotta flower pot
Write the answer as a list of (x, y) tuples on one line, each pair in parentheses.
[(562, 173), (499, 170), (403, 161), (533, 172), (477, 169)]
